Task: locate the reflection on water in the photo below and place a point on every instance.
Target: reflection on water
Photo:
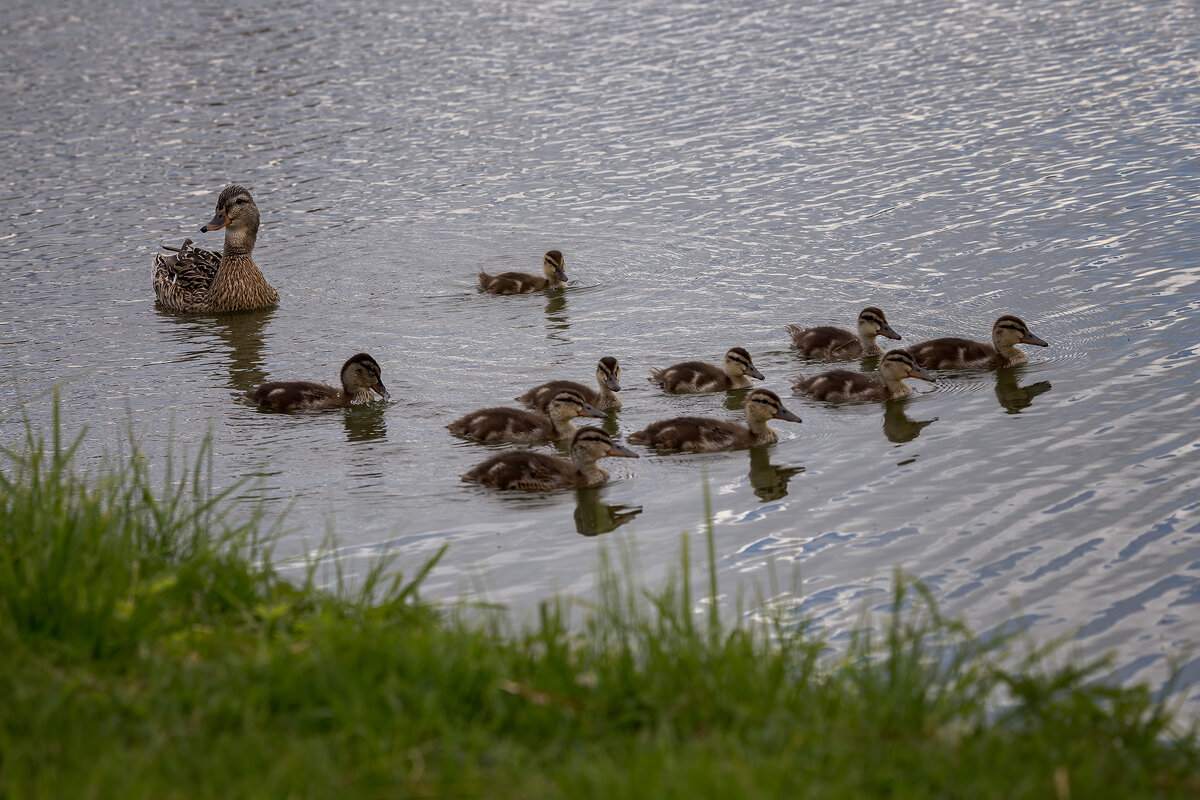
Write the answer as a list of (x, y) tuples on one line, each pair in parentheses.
[(897, 427), (769, 481), (593, 517), (1015, 398), (557, 323), (241, 337), (365, 422)]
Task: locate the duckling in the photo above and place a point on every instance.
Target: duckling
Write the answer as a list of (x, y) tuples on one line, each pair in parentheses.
[(697, 376), (199, 280), (703, 434), (951, 352), (527, 427), (608, 378), (360, 376), (523, 282), (539, 472), (827, 341), (844, 384)]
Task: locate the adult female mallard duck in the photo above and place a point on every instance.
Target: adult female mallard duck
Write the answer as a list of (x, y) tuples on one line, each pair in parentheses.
[(526, 427), (951, 352), (697, 376), (553, 276), (539, 472), (608, 378), (827, 341), (360, 377), (199, 280), (703, 434), (843, 384)]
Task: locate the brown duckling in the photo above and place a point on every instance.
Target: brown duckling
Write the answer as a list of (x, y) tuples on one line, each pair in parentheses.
[(843, 384), (608, 378), (952, 352), (827, 341), (522, 282), (540, 472), (526, 427), (360, 377), (697, 376), (199, 280), (703, 434)]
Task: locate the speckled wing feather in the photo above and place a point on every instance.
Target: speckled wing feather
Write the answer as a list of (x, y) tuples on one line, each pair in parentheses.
[(512, 283), (825, 341), (540, 396), (503, 425), (182, 280), (285, 395), (523, 470), (698, 434), (690, 376), (952, 352), (842, 384)]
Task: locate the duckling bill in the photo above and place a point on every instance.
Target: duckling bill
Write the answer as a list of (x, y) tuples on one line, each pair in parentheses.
[(360, 376)]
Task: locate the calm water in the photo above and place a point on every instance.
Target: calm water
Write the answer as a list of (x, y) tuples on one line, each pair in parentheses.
[(711, 175)]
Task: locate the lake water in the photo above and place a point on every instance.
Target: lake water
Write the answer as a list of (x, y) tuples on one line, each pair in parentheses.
[(711, 174)]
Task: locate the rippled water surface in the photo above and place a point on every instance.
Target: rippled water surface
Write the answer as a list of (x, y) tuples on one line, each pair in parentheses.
[(711, 174)]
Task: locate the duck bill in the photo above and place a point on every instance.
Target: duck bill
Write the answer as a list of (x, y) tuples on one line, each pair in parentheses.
[(561, 274), (382, 391), (622, 452), (216, 223), (611, 382), (592, 411), (754, 373), (918, 372), (1029, 338), (887, 331), (786, 415)]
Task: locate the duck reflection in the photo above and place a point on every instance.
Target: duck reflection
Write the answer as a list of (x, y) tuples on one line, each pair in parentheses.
[(365, 422), (897, 427), (768, 480), (557, 323), (593, 517), (1016, 398), (241, 336)]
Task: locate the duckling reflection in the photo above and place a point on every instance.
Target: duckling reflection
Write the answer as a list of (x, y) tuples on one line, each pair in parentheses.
[(768, 480), (557, 323), (897, 427), (239, 335), (1016, 398), (593, 517), (365, 422)]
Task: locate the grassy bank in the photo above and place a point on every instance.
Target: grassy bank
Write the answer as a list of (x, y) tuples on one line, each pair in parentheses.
[(149, 650)]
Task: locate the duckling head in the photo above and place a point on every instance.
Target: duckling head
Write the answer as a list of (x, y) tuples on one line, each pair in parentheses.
[(763, 404), (590, 444), (872, 323), (362, 372), (897, 365), (738, 363), (237, 212), (1009, 331), (568, 404), (552, 266), (608, 373)]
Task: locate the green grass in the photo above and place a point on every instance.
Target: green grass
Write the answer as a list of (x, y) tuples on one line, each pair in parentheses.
[(149, 649)]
